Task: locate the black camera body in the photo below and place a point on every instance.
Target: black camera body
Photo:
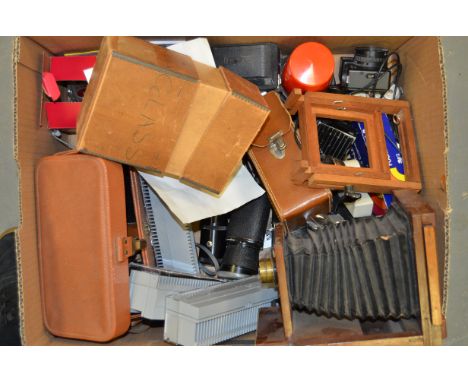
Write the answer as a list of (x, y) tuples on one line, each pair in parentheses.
[(365, 71)]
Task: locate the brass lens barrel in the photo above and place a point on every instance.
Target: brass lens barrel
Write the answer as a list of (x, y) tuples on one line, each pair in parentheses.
[(267, 270)]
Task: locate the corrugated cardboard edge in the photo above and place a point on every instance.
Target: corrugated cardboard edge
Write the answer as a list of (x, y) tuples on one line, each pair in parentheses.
[(423, 85), (449, 208), (19, 268), (31, 142)]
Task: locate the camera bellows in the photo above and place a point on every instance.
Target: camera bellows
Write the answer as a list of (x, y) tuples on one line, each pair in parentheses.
[(359, 269)]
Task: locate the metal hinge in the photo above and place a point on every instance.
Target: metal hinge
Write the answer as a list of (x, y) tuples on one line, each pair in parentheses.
[(129, 246)]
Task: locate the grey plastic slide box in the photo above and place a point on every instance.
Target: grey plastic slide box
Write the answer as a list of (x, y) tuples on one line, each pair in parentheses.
[(217, 313), (149, 288), (172, 241)]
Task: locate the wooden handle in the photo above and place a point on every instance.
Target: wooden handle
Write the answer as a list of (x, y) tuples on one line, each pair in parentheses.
[(282, 281), (293, 101), (433, 274)]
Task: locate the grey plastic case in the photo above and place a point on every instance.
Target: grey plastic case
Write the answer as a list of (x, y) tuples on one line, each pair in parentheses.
[(173, 242), (150, 286), (217, 313)]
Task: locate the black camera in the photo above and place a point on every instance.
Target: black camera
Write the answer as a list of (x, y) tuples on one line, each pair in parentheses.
[(366, 71)]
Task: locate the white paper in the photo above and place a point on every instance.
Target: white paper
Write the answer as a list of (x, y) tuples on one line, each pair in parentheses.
[(198, 49), (87, 73), (190, 204)]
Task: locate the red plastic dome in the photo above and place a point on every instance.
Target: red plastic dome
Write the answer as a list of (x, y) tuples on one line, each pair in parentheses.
[(310, 68)]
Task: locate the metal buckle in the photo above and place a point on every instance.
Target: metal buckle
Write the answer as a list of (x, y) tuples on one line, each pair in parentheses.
[(129, 246), (276, 145)]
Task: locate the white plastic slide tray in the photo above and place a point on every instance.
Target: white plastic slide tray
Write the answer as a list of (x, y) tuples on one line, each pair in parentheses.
[(149, 288), (215, 314), (172, 241)]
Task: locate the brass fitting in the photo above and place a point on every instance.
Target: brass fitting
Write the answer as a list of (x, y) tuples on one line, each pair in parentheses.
[(267, 270)]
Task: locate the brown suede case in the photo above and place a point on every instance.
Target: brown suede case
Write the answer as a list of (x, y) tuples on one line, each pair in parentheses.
[(83, 247)]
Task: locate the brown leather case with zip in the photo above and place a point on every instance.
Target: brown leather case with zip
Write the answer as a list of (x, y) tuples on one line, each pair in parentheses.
[(83, 247), (274, 153)]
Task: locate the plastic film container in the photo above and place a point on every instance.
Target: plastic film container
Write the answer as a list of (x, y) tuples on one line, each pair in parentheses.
[(309, 68)]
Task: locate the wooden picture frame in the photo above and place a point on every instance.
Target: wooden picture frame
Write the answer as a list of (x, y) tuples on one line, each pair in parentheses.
[(377, 177)]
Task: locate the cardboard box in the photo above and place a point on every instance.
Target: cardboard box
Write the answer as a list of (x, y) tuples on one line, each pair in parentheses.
[(23, 141), (161, 111), (62, 114)]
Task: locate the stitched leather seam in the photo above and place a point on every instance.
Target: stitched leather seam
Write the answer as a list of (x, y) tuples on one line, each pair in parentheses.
[(267, 185)]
